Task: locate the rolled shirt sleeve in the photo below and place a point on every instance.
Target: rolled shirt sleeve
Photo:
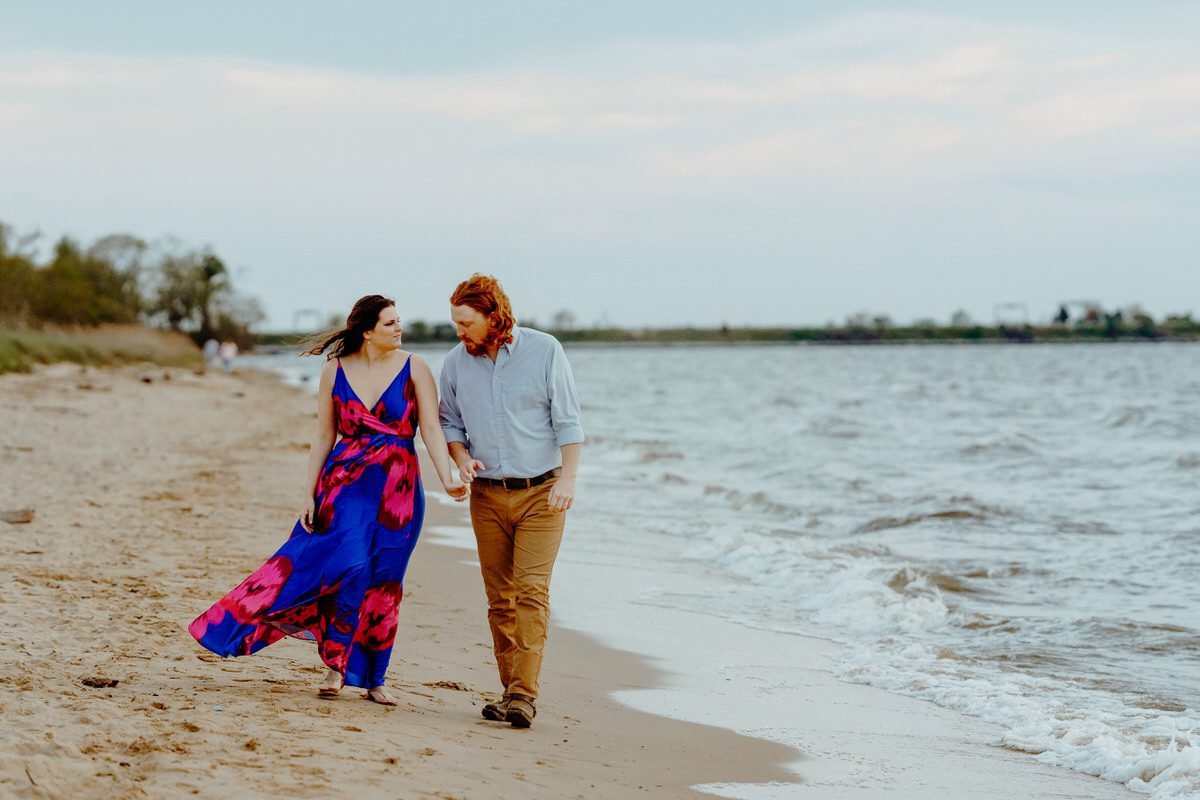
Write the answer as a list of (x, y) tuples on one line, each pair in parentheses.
[(448, 411), (565, 416)]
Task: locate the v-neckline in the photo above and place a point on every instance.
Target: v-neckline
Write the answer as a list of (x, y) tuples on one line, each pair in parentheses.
[(386, 389)]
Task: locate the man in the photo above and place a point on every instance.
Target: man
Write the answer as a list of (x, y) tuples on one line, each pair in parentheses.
[(511, 418)]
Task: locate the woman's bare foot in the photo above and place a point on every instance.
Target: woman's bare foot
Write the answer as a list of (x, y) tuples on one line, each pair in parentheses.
[(380, 695), (331, 685)]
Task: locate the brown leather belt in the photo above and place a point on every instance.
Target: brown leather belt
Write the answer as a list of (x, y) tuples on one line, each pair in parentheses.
[(521, 483)]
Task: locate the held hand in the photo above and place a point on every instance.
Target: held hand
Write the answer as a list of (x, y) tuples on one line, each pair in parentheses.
[(467, 470), (562, 494), (308, 515), (459, 491)]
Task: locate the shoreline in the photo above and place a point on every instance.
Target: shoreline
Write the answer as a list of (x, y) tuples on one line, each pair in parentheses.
[(155, 491), (859, 742)]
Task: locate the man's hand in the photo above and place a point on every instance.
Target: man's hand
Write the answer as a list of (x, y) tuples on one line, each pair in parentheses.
[(562, 494), (468, 468)]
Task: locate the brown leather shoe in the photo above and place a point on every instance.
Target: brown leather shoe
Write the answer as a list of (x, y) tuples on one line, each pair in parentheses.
[(521, 711), (496, 712)]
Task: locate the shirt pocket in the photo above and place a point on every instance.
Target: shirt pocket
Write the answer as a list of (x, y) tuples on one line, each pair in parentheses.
[(526, 395)]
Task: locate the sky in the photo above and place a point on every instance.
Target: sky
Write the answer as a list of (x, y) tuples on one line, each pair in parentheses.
[(638, 164)]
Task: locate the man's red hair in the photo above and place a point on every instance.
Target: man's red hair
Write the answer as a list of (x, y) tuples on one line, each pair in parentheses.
[(484, 294)]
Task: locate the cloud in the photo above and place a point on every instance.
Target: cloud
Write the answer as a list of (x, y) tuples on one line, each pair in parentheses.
[(632, 147), (855, 99)]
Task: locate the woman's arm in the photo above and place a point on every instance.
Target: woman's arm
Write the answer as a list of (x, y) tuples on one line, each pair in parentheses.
[(322, 442), (431, 428)]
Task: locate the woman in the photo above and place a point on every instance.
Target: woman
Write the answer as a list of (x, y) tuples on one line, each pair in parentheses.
[(339, 577)]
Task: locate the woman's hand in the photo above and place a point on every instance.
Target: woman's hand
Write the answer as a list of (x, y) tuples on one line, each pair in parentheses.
[(308, 515), (459, 491)]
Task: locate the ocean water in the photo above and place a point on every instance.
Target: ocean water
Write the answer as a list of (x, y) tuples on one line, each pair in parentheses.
[(1009, 531)]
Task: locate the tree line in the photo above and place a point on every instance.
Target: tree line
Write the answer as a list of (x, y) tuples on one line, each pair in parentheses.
[(1110, 327), (121, 279)]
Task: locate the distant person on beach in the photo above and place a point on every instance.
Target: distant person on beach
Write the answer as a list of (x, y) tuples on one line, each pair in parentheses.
[(511, 417), (339, 577), (228, 352), (211, 349)]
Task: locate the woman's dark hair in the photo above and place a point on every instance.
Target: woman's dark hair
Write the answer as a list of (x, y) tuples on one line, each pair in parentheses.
[(349, 339)]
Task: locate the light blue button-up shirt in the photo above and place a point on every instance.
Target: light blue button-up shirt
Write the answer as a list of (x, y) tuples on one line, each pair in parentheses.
[(514, 414)]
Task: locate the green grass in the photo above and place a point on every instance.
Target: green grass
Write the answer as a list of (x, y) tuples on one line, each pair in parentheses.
[(107, 345)]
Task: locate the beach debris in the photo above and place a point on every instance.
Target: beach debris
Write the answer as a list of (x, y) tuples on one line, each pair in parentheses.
[(457, 686), (17, 516), (157, 496), (147, 379), (100, 682), (251, 744)]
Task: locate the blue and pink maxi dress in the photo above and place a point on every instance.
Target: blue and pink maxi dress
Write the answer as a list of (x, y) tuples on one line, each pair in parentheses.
[(340, 585)]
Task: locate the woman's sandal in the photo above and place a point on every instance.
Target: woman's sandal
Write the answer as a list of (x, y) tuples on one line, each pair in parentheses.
[(330, 692), (380, 695)]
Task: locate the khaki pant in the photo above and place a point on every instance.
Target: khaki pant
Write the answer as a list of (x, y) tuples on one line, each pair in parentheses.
[(518, 538)]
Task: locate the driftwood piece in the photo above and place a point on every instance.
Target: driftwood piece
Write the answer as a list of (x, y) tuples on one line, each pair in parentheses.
[(17, 516)]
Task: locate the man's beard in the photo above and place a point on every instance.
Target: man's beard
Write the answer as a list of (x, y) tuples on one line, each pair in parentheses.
[(493, 339)]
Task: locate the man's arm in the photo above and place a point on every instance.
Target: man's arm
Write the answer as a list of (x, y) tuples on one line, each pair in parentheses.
[(568, 428), (565, 416), (562, 495), (448, 411), (454, 427)]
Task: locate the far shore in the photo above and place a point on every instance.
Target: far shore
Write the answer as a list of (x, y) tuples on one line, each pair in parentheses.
[(270, 350), (1175, 331), (23, 349)]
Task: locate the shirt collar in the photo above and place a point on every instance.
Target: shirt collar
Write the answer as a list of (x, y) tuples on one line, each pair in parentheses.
[(512, 346)]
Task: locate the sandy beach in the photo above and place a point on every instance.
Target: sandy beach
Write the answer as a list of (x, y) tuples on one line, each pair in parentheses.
[(155, 491)]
